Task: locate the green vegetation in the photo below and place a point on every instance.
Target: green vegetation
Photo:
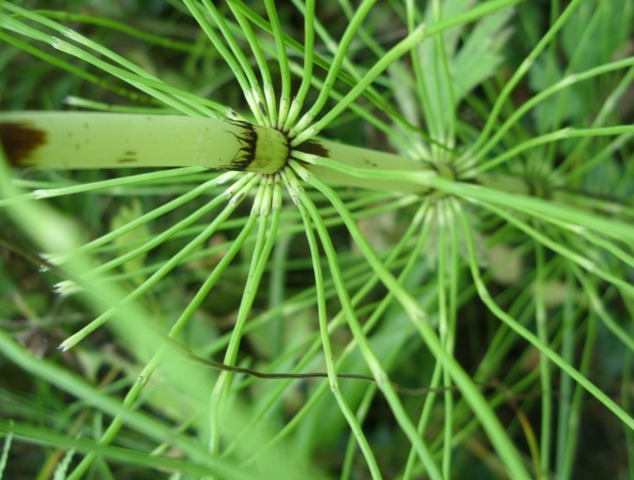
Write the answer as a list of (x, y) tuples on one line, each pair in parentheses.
[(419, 263)]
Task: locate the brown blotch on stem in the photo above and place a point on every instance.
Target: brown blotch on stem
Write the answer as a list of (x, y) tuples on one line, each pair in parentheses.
[(248, 140), (19, 140), (313, 147)]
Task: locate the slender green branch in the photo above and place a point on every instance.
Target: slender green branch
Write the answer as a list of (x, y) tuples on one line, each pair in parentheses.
[(545, 210), (333, 72), (307, 72), (420, 33), (520, 72), (355, 426), (578, 258), (417, 70), (244, 77), (126, 28), (545, 366), (267, 83), (165, 268), (180, 100), (444, 219), (372, 361), (146, 245), (565, 412), (282, 58), (267, 205), (147, 372), (78, 72), (92, 396), (9, 428), (601, 312), (581, 379), (570, 165), (419, 318), (561, 85), (151, 464), (145, 218), (255, 91)]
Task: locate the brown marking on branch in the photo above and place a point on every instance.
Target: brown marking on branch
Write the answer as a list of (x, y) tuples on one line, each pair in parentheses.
[(313, 147), (19, 140)]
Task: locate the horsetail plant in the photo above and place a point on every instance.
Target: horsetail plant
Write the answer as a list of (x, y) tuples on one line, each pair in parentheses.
[(384, 239)]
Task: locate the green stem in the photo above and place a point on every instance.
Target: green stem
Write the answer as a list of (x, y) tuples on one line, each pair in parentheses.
[(144, 377), (372, 361), (464, 383), (355, 23), (271, 115), (80, 389), (520, 72), (354, 424), (581, 379), (250, 91), (401, 48), (307, 72), (80, 140), (544, 364), (165, 268), (282, 58), (267, 200)]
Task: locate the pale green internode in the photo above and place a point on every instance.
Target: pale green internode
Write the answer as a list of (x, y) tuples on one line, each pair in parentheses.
[(87, 140), (91, 140)]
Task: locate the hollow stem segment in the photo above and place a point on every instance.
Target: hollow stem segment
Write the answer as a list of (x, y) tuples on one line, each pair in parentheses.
[(86, 140), (346, 165)]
